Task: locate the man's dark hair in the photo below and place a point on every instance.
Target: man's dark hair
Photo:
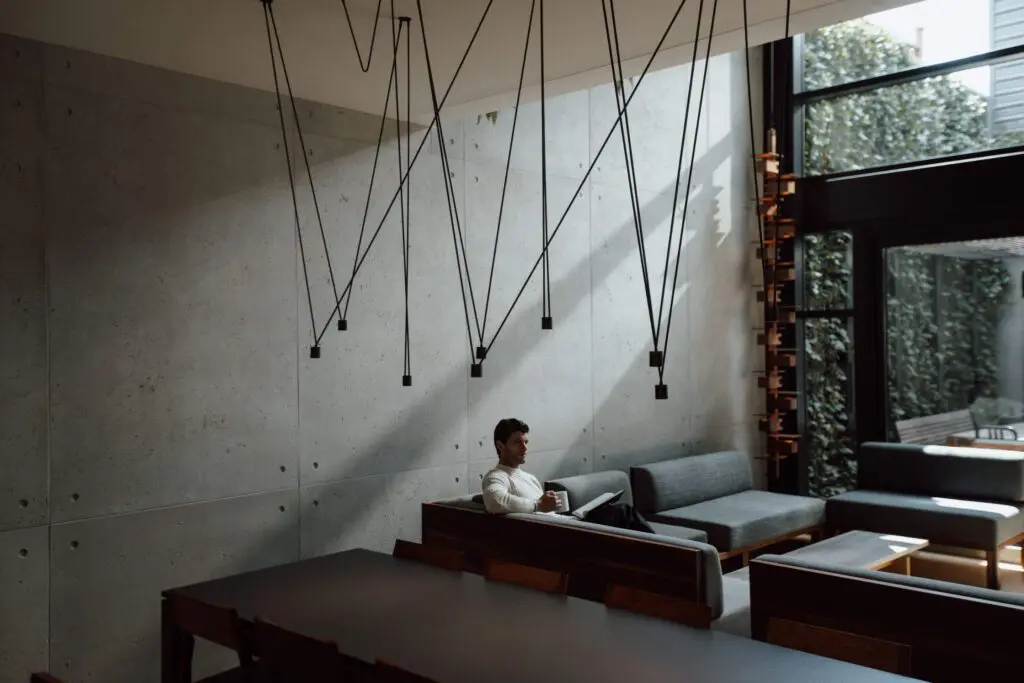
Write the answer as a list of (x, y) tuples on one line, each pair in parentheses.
[(506, 428)]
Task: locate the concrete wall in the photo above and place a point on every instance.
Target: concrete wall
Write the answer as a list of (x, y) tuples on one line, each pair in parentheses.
[(161, 420)]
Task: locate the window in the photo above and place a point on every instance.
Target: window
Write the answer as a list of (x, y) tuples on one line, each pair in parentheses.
[(925, 81)]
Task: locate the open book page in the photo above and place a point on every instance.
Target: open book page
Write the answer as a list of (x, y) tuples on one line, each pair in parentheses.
[(586, 508)]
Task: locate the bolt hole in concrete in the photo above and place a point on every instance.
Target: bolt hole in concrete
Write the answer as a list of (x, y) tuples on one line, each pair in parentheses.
[(281, 508), (23, 552), (23, 503), (74, 545), (456, 446), (316, 503), (283, 468), (74, 496), (456, 480), (316, 465)]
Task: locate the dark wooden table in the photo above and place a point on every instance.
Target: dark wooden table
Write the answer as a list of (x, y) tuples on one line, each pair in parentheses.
[(459, 628)]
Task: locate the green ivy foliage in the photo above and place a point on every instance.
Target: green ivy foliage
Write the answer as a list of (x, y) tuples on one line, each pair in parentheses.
[(942, 312)]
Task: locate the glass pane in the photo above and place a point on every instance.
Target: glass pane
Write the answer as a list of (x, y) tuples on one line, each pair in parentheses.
[(955, 340), (828, 350), (925, 119), (828, 270), (919, 34)]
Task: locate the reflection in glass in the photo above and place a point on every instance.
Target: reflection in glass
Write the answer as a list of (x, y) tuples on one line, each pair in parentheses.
[(918, 34), (955, 338)]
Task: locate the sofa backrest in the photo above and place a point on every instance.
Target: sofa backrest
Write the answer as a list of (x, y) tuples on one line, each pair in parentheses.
[(584, 488), (690, 480), (688, 569), (950, 471), (927, 629)]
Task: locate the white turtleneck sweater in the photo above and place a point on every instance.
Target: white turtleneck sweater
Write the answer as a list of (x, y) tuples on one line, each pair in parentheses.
[(510, 489)]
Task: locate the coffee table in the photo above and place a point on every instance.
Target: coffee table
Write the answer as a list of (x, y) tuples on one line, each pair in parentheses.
[(857, 550)]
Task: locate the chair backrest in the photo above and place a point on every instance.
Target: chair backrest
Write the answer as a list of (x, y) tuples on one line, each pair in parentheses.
[(924, 628), (536, 578), (208, 621), (386, 672), (984, 474), (657, 605), (435, 555), (293, 656), (690, 480), (934, 429), (593, 556), (584, 488)]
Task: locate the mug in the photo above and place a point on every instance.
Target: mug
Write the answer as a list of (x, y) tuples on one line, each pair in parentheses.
[(563, 501)]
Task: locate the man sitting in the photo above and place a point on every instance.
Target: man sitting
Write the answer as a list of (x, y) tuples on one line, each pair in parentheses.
[(507, 487)]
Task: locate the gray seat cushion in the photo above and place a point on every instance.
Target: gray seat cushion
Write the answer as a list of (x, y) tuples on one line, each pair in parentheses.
[(686, 481), (685, 533), (586, 487), (748, 519), (966, 524), (901, 579)]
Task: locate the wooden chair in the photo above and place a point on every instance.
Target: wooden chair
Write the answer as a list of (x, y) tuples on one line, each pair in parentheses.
[(536, 578), (385, 672), (667, 607), (292, 656), (216, 624), (445, 558)]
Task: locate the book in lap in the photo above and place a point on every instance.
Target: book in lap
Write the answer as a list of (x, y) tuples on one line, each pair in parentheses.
[(603, 499)]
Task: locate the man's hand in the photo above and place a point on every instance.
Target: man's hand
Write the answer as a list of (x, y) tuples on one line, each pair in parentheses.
[(548, 502)]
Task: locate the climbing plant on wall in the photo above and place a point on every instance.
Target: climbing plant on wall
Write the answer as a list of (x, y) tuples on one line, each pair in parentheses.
[(943, 312)]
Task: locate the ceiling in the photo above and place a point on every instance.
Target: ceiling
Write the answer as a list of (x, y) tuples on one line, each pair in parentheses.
[(226, 40)]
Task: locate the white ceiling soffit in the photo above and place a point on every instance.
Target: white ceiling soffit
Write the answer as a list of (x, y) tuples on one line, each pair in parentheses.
[(226, 40)]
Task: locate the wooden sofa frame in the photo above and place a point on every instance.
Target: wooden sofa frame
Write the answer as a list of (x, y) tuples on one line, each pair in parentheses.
[(594, 561), (903, 629)]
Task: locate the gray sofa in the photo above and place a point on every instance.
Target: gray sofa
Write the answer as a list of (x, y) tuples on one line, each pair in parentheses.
[(584, 488), (714, 493), (961, 497)]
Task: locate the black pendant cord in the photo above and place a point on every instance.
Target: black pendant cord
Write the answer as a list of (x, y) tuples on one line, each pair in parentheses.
[(449, 190), (508, 167), (305, 155), (753, 150), (546, 322), (408, 192), (404, 194), (394, 197), (590, 169), (288, 161), (373, 37), (347, 296), (625, 132), (679, 174), (689, 180)]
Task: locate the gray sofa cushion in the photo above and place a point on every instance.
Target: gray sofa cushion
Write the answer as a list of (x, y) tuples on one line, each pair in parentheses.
[(685, 533), (749, 518), (971, 473), (901, 579), (709, 556), (586, 487), (942, 520), (686, 481)]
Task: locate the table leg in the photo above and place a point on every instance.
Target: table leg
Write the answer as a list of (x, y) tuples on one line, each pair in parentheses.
[(176, 649)]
